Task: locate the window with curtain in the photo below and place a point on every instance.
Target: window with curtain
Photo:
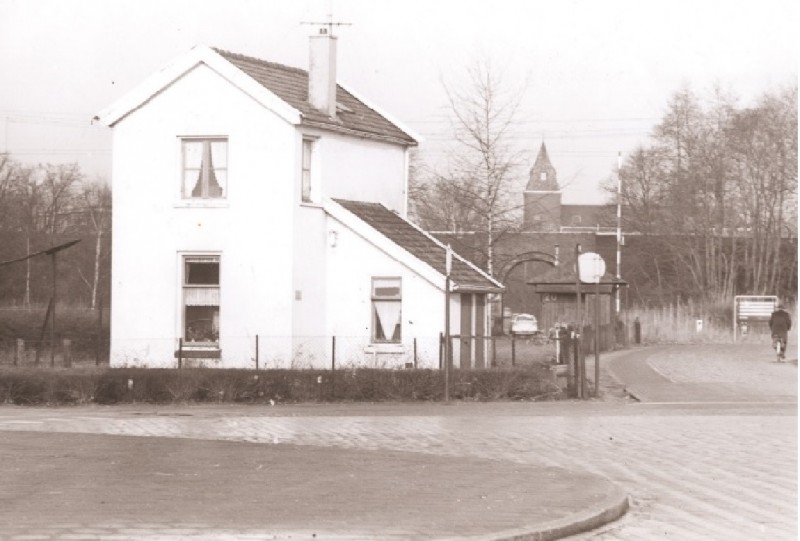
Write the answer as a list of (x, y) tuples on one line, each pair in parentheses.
[(205, 168), (201, 300), (386, 310)]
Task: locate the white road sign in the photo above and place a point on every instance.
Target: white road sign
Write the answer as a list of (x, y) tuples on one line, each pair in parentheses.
[(591, 267)]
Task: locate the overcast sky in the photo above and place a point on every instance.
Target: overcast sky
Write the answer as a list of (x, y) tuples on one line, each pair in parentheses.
[(597, 74)]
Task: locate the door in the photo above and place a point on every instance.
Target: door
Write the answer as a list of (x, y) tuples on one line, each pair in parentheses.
[(466, 331), (480, 331)]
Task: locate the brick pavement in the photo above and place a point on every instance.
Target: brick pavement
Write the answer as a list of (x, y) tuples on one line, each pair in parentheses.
[(708, 373), (86, 486), (700, 471)]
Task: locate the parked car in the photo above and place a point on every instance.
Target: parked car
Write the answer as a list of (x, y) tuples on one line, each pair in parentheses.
[(524, 324)]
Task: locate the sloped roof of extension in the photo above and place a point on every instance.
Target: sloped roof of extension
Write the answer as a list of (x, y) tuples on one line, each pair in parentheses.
[(465, 275), (280, 88), (291, 85)]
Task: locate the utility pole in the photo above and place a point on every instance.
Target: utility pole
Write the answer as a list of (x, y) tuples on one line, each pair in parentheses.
[(448, 264), (619, 229), (579, 331)]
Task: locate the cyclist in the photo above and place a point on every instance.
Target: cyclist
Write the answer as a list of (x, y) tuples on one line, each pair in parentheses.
[(779, 324)]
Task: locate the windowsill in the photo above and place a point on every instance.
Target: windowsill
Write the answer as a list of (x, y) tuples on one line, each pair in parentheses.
[(385, 348), (199, 351), (311, 204), (202, 204)]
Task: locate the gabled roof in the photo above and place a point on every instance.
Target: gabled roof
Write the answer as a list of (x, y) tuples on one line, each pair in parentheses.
[(291, 85), (280, 88), (465, 275)]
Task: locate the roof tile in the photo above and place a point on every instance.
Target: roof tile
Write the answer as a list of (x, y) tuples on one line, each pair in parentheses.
[(407, 236), (291, 85)]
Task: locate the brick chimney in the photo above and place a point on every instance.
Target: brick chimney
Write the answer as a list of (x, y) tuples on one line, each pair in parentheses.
[(322, 72)]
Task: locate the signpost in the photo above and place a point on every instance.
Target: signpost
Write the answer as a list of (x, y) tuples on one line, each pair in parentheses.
[(591, 269)]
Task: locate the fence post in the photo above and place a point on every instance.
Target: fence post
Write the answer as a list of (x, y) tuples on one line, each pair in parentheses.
[(19, 354), (67, 350), (180, 352), (333, 367), (98, 330), (415, 352), (441, 343), (513, 350), (576, 346), (256, 352)]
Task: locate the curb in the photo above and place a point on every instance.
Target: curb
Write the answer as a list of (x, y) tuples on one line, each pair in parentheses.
[(613, 508)]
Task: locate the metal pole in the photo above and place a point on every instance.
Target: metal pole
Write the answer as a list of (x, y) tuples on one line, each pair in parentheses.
[(180, 352), (447, 338), (28, 271), (415, 352), (578, 364), (597, 339), (619, 227), (256, 352), (53, 327), (333, 367)]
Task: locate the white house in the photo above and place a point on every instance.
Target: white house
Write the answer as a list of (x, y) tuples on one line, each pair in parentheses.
[(259, 212)]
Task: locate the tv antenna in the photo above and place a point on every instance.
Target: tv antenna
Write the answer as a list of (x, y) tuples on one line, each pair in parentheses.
[(330, 23)]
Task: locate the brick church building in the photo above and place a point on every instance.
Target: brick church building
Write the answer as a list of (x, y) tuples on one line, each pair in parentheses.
[(523, 259)]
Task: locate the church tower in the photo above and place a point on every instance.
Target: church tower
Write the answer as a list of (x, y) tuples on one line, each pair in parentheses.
[(542, 196)]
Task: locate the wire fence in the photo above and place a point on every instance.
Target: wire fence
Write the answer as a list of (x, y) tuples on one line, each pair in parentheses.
[(263, 352)]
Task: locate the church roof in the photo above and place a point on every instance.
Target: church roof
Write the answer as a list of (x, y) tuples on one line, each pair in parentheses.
[(543, 175)]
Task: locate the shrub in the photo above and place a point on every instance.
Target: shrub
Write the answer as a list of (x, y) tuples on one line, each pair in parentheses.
[(30, 386)]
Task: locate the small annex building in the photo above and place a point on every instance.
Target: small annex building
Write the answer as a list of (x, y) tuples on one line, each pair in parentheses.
[(259, 211)]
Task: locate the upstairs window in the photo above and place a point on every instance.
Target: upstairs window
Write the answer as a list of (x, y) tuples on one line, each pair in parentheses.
[(205, 168), (201, 300), (543, 176), (386, 310), (305, 174)]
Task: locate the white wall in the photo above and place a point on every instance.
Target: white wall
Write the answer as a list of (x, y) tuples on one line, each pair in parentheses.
[(362, 169), (352, 263), (250, 228)]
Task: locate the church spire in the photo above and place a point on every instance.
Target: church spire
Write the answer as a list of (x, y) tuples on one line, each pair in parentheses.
[(543, 175)]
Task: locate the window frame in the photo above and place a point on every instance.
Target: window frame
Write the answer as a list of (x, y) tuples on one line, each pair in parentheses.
[(310, 186), (185, 260), (206, 141), (306, 170), (398, 298)]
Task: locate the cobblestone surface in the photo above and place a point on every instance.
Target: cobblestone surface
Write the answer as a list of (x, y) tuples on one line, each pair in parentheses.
[(694, 472)]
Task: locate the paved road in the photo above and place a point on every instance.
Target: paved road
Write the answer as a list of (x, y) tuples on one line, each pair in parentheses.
[(696, 469)]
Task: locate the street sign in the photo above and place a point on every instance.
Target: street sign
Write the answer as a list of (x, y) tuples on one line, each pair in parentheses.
[(591, 267)]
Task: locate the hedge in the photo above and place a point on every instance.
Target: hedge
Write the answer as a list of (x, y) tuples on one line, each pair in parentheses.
[(45, 386)]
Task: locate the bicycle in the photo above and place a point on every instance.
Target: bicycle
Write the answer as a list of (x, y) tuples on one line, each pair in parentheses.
[(780, 347)]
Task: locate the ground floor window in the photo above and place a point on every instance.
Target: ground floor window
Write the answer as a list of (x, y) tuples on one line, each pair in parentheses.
[(386, 310), (201, 300)]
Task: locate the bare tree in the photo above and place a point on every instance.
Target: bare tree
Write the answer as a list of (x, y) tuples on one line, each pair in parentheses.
[(475, 191), (96, 201), (715, 195)]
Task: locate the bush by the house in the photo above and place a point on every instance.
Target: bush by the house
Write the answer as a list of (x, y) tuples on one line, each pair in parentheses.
[(43, 386)]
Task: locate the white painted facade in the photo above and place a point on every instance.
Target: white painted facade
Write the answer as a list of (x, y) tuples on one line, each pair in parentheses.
[(292, 274)]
